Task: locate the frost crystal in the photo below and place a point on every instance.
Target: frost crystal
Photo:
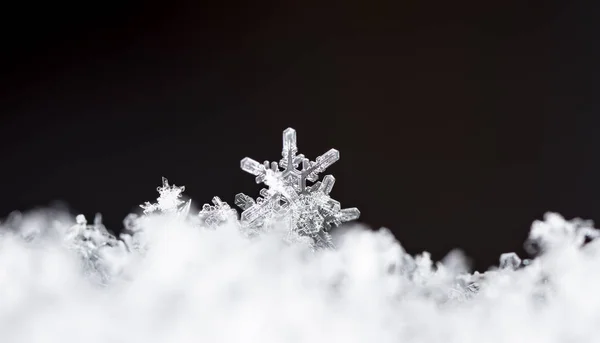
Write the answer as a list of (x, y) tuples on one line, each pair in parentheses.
[(509, 260), (169, 201), (556, 231), (94, 244), (309, 210), (213, 215)]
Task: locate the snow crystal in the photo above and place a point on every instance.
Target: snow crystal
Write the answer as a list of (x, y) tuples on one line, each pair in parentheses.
[(510, 260), (309, 210), (214, 215), (169, 201)]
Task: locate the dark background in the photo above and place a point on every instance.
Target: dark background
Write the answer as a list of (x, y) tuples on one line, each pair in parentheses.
[(458, 123)]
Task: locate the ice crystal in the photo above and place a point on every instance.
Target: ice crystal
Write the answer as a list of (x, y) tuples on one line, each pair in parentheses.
[(213, 215), (133, 233), (169, 201), (308, 209), (510, 260), (555, 230), (93, 243)]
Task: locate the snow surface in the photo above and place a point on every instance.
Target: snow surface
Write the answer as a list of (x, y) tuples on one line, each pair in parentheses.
[(194, 284)]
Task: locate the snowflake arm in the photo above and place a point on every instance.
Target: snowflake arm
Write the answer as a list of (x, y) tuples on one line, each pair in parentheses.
[(263, 208), (259, 170), (311, 170)]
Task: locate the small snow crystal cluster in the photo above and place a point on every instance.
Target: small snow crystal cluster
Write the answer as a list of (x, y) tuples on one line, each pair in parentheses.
[(304, 212), (273, 274)]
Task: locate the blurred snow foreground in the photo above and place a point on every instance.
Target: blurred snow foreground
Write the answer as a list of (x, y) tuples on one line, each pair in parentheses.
[(273, 274)]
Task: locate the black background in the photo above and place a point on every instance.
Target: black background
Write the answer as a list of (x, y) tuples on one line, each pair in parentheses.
[(458, 123)]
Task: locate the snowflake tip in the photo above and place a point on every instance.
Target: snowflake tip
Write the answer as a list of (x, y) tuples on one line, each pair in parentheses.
[(253, 167), (289, 142), (349, 214), (327, 159), (327, 184)]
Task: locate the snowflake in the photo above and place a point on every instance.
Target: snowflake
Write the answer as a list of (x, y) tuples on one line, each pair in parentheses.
[(308, 210), (169, 201)]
